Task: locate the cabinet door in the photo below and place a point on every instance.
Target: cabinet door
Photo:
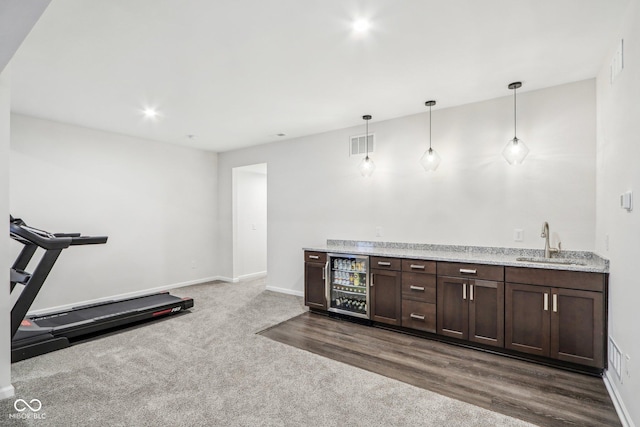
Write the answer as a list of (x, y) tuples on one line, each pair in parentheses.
[(386, 293), (527, 319), (452, 307), (577, 327), (314, 285), (486, 312)]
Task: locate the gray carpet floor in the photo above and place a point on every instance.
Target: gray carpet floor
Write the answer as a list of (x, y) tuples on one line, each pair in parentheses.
[(209, 368)]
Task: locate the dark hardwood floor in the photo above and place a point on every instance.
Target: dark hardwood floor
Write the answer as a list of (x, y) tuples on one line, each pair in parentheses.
[(538, 394)]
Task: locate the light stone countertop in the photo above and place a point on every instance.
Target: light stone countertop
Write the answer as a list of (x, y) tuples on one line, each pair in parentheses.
[(571, 260)]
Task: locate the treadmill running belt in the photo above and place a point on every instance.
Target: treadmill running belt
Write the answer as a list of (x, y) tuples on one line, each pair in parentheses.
[(99, 312)]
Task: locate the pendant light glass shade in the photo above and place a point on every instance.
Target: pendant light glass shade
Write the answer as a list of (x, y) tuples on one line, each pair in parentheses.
[(430, 160), (366, 166), (515, 151)]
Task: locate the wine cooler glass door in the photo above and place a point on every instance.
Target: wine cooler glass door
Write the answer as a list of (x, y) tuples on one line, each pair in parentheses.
[(348, 285)]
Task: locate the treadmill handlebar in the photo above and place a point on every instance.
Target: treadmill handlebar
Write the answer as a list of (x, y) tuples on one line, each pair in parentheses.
[(79, 239), (21, 231), (88, 240)]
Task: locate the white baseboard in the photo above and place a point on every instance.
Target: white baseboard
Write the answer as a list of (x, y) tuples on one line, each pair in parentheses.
[(242, 277), (122, 296), (618, 403), (7, 392), (285, 291), (227, 279), (250, 276)]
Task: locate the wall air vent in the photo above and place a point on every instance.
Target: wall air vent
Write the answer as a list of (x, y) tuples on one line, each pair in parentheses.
[(615, 358), (357, 144)]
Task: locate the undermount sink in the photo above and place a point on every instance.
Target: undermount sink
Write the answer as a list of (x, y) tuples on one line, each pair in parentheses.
[(559, 261)]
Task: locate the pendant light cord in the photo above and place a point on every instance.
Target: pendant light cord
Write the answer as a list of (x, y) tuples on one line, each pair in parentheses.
[(366, 138), (515, 119), (429, 128)]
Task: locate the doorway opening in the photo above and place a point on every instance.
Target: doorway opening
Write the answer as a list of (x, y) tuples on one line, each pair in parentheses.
[(249, 188)]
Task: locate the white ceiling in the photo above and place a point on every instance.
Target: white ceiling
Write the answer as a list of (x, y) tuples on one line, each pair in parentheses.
[(235, 73), (16, 20)]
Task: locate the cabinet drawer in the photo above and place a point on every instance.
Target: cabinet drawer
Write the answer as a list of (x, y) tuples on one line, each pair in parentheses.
[(474, 271), (556, 278), (310, 256), (419, 287), (419, 315), (381, 263), (419, 266)]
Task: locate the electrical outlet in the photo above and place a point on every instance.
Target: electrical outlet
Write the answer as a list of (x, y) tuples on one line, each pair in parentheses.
[(379, 231), (194, 264), (518, 235), (626, 201), (606, 242)]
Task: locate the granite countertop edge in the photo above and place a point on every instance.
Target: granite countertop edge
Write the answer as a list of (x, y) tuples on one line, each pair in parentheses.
[(593, 263)]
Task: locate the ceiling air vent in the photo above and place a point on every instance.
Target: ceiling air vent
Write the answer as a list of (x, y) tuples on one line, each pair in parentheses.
[(357, 144)]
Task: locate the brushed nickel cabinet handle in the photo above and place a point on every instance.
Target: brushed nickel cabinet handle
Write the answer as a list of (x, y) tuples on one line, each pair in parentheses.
[(555, 303), (470, 292), (464, 291), (546, 301), (324, 270), (416, 288), (468, 271), (314, 257), (372, 276), (383, 263), (418, 266), (416, 316)]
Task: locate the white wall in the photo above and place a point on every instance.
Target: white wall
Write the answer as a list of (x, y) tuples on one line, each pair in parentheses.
[(250, 225), (16, 20), (155, 201), (475, 197), (6, 389), (618, 170)]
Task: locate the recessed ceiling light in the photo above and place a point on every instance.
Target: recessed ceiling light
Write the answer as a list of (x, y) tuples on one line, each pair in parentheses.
[(361, 25), (281, 134), (150, 112)]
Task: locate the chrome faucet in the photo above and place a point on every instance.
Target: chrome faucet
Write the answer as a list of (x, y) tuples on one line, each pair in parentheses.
[(548, 250)]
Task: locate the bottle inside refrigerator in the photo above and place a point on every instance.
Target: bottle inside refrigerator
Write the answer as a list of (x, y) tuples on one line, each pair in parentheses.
[(348, 285)]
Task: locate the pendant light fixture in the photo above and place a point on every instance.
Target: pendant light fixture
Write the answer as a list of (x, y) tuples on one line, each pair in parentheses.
[(430, 160), (366, 166), (515, 151)]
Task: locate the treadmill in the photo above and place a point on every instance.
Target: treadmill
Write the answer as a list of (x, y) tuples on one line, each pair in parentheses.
[(36, 335)]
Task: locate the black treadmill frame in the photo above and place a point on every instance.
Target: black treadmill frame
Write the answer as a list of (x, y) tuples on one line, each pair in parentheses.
[(31, 340)]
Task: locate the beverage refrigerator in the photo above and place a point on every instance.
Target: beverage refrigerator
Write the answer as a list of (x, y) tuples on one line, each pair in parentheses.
[(348, 285)]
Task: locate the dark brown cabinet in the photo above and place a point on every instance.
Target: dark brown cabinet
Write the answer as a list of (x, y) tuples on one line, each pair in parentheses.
[(419, 295), (557, 314), (314, 280), (486, 312), (577, 327), (527, 318), (469, 308), (452, 307), (385, 290), (557, 320)]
